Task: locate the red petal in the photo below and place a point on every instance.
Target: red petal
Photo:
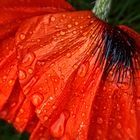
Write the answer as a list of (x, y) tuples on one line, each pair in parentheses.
[(62, 92), (12, 12)]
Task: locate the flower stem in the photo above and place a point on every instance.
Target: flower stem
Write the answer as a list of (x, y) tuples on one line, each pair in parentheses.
[(102, 9)]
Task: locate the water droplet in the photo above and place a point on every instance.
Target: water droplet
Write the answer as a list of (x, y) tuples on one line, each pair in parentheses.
[(30, 70), (52, 18), (64, 16), (132, 111), (38, 40), (89, 16), (4, 77), (45, 118), (75, 66), (69, 25), (11, 82), (38, 111), (17, 119), (99, 131), (69, 55), (104, 88), (21, 74), (51, 98), (91, 21), (99, 120), (119, 126), (74, 32), (22, 36), (62, 33), (76, 23), (83, 114), (28, 59), (21, 110), (53, 107), (83, 69), (13, 104), (37, 99), (58, 127)]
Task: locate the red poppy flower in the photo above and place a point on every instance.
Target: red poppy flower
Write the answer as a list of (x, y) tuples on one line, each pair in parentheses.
[(66, 74)]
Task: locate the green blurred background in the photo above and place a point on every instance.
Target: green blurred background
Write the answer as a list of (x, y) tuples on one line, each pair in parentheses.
[(125, 12)]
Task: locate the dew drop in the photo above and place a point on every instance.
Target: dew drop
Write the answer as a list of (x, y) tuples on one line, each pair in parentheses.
[(21, 110), (17, 119), (89, 17), (83, 114), (22, 36), (62, 33), (119, 126), (75, 66), (74, 32), (53, 107), (37, 99), (99, 120), (64, 16), (76, 23), (45, 118), (58, 127), (69, 25), (132, 111), (51, 98), (21, 74), (28, 59), (13, 104), (11, 82), (30, 70), (104, 88), (83, 69), (99, 131), (38, 40), (52, 18), (4, 77), (69, 55)]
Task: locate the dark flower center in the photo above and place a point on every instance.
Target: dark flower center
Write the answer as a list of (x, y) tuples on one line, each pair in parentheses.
[(120, 51)]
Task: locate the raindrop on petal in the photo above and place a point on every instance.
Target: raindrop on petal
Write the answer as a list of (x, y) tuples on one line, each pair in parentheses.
[(69, 25), (119, 126), (58, 127), (11, 82), (76, 23), (52, 18), (22, 36), (37, 99), (21, 74), (30, 70), (69, 55), (21, 110), (62, 33), (74, 32), (28, 59), (83, 69), (4, 77), (99, 120)]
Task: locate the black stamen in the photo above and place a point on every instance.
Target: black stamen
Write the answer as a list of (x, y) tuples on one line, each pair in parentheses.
[(119, 50)]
